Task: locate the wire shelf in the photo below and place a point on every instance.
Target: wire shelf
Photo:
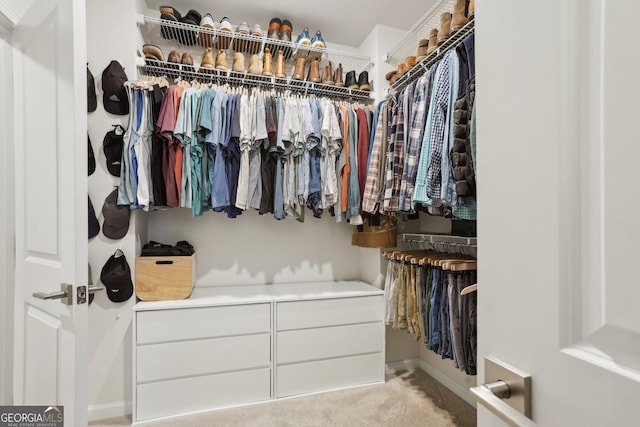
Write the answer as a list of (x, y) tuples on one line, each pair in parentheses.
[(235, 78), (419, 69), (180, 35)]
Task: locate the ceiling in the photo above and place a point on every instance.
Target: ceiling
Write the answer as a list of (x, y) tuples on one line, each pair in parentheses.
[(346, 22)]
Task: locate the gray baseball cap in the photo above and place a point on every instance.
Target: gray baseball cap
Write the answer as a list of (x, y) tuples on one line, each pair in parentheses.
[(116, 217)]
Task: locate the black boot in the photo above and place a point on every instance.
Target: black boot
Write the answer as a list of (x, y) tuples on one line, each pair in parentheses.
[(363, 81), (350, 80)]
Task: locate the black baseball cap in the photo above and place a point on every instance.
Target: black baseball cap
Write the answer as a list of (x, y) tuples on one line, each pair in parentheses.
[(116, 277), (92, 102), (94, 225), (116, 217), (114, 96), (112, 145)]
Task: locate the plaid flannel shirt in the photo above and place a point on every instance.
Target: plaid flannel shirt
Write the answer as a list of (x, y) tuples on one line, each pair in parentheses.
[(418, 119), (395, 159), (371, 197), (439, 129)]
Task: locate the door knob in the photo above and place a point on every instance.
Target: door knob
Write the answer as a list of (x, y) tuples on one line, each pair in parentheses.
[(65, 294), (507, 393)]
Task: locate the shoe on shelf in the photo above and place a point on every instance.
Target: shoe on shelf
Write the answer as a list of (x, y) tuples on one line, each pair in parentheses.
[(350, 80), (243, 28), (280, 72), (327, 77), (168, 13), (459, 19), (317, 40), (472, 9), (267, 66), (174, 57), (206, 39), (152, 52), (445, 27), (187, 59), (238, 62), (285, 30), (298, 71), (363, 81), (433, 41), (314, 71), (254, 65), (225, 41), (304, 38), (173, 63), (186, 36), (207, 59), (337, 76), (221, 60), (257, 31), (274, 29)]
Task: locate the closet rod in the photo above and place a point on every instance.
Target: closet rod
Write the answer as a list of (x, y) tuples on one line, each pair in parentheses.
[(159, 68), (440, 238)]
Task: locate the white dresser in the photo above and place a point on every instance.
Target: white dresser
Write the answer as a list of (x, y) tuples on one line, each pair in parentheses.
[(232, 345)]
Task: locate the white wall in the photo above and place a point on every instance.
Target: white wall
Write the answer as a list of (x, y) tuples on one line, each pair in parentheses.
[(379, 41), (258, 249), (7, 239), (111, 34)]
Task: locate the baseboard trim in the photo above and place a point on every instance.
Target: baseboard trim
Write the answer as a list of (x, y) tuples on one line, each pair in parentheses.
[(103, 411), (459, 390), (400, 365)]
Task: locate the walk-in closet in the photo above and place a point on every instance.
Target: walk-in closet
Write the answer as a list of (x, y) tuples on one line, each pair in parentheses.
[(330, 213)]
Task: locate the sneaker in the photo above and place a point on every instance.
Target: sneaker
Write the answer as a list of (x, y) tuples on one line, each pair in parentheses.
[(317, 40), (303, 38), (242, 28)]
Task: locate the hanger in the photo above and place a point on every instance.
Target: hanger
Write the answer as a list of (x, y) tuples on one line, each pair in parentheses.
[(469, 289)]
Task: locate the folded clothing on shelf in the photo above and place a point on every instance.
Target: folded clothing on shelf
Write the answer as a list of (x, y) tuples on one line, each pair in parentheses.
[(182, 248)]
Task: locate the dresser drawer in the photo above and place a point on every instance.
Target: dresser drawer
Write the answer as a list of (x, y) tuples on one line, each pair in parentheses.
[(181, 396), (328, 312), (202, 357), (324, 343), (205, 322), (330, 374)]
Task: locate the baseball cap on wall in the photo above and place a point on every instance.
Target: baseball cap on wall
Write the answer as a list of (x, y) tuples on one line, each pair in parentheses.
[(94, 225), (92, 101), (112, 145), (114, 97), (116, 277), (116, 217)]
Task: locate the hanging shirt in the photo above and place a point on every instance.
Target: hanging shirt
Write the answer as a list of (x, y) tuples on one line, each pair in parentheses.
[(165, 127), (416, 134), (183, 132), (246, 113), (218, 175), (375, 172), (440, 127), (259, 137), (142, 151), (448, 187), (124, 188), (332, 138), (420, 193)]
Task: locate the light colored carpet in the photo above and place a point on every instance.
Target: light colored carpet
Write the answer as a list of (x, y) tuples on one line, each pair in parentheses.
[(411, 398)]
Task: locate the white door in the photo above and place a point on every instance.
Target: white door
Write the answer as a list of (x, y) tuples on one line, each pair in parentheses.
[(558, 150), (49, 77)]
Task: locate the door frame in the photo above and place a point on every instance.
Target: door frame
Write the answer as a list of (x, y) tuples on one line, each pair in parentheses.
[(7, 220)]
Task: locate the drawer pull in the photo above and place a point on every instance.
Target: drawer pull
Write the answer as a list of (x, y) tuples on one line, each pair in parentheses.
[(167, 262)]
